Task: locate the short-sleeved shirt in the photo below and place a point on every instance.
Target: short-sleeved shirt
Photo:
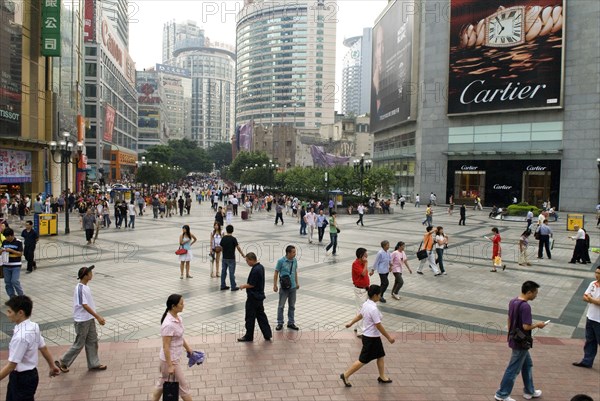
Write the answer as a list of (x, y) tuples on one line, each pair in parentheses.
[(15, 244), (82, 296), (172, 327), (371, 316), (287, 267), (332, 228), (30, 237), (358, 266), (519, 311), (593, 312), (24, 345), (256, 279), (229, 243), (398, 259)]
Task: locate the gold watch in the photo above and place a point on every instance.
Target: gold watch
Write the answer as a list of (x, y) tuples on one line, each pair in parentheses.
[(512, 26)]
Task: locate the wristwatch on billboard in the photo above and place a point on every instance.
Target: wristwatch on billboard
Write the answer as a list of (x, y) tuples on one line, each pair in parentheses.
[(512, 26)]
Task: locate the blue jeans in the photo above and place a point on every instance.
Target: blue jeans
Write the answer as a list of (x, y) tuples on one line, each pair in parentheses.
[(302, 227), (11, 281), (520, 362), (131, 221), (440, 257), (228, 264), (592, 340), (290, 296), (333, 243)]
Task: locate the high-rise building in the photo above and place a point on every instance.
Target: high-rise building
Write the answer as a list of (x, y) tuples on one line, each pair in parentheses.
[(286, 62), (180, 35), (110, 101), (176, 86), (152, 114), (118, 13), (356, 73)]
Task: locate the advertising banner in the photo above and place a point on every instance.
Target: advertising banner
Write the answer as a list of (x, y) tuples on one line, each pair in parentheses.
[(11, 43), (15, 166), (109, 123), (51, 28), (392, 66), (169, 69), (89, 21), (505, 58)]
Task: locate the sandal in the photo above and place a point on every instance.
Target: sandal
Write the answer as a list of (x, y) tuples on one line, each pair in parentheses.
[(181, 277), (346, 383), (503, 267), (63, 368), (188, 276), (494, 270), (100, 367)]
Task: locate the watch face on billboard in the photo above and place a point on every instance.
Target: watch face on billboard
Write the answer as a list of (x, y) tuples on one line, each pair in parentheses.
[(505, 57), (392, 66)]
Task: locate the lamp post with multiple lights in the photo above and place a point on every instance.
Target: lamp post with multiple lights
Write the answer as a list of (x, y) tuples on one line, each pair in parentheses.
[(361, 166)]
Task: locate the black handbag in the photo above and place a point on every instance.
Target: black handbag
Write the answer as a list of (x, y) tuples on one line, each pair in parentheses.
[(421, 253), (170, 390)]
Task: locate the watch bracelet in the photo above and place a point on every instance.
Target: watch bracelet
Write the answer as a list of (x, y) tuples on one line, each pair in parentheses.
[(539, 21)]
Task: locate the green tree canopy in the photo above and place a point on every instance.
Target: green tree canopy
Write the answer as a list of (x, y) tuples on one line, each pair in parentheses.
[(245, 160), (220, 154)]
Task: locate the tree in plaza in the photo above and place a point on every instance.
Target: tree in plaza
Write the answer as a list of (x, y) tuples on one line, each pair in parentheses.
[(245, 160), (159, 153), (182, 153), (378, 180), (220, 154)]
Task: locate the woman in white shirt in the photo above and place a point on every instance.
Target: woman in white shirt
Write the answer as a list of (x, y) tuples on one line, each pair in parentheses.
[(398, 259), (131, 212), (441, 243), (215, 249), (373, 330)]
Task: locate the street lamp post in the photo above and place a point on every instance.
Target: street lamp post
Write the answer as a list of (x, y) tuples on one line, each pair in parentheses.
[(69, 152), (361, 166)]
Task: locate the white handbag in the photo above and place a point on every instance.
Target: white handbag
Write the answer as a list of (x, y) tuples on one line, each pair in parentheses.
[(5, 256)]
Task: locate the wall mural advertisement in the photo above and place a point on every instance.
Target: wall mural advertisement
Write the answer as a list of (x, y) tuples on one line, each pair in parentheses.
[(392, 66), (505, 55), (11, 14), (15, 166)]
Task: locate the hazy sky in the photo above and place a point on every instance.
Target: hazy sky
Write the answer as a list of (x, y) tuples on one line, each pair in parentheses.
[(147, 17)]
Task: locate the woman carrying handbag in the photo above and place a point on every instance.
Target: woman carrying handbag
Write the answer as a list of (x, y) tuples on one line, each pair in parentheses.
[(496, 250), (186, 240)]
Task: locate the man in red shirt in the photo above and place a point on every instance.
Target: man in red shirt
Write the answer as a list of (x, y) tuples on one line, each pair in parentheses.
[(360, 279)]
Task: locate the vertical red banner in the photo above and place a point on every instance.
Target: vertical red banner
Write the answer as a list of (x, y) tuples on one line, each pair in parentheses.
[(109, 123), (89, 21)]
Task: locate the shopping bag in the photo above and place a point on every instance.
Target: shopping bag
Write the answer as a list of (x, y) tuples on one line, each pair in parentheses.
[(497, 261), (171, 389)]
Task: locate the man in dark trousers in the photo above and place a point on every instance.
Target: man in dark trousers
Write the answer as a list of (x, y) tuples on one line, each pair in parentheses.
[(255, 311), (31, 238), (180, 203), (463, 215), (219, 216)]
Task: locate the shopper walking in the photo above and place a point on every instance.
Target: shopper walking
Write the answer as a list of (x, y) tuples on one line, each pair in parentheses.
[(398, 259), (592, 324), (496, 250), (31, 238), (12, 250), (173, 344), (131, 212), (372, 347), (321, 224), (360, 279), (186, 240), (84, 313), (383, 266), (229, 244), (361, 212), (427, 244), (463, 215), (523, 244), (519, 318), (255, 310), (216, 250), (333, 233), (544, 233), (441, 243), (286, 274)]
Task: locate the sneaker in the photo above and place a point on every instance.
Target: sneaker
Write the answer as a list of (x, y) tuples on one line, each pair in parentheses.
[(382, 300), (445, 274), (279, 327), (419, 272), (503, 399), (395, 297), (536, 394)]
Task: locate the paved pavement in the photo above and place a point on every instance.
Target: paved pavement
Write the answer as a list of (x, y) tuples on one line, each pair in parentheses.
[(450, 329)]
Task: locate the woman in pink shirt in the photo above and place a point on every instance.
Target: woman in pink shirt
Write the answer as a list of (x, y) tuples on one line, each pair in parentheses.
[(171, 331), (398, 259)]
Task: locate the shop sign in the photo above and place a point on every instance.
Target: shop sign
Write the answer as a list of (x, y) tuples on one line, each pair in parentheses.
[(536, 168), (51, 28), (126, 158), (502, 187), (465, 167), (15, 166)]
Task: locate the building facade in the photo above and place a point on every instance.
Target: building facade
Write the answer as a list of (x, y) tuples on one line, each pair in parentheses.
[(111, 104), (461, 113), (119, 13), (356, 74), (180, 35), (286, 63), (176, 86)]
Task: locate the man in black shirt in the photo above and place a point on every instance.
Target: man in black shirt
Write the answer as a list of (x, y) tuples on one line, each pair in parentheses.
[(219, 216), (229, 244), (31, 238), (255, 311)]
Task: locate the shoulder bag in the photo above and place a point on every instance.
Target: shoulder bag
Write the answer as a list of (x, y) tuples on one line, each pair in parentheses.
[(520, 337), (421, 253), (286, 281), (181, 251)]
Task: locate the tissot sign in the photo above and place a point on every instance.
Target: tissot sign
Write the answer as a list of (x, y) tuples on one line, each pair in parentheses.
[(505, 56), (117, 51)]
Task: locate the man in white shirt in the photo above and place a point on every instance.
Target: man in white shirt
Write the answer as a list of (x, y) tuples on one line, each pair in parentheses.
[(578, 252), (529, 218), (311, 221), (592, 325), (361, 212), (23, 351), (84, 313)]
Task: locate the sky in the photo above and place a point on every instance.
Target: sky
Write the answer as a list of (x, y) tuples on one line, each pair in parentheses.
[(147, 17)]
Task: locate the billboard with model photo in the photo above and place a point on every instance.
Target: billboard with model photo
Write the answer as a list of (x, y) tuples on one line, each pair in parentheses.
[(391, 73), (505, 55)]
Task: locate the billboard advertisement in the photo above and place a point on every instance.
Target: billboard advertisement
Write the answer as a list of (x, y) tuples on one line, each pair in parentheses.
[(505, 58), (392, 66), (89, 21), (109, 123), (15, 166), (11, 43)]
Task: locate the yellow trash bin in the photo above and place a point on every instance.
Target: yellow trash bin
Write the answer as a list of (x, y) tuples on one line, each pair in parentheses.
[(48, 224), (574, 219)]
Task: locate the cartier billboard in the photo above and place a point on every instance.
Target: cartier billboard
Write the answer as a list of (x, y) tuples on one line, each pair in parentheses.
[(505, 55)]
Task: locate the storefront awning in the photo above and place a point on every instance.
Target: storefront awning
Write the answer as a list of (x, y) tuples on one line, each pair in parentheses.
[(504, 153)]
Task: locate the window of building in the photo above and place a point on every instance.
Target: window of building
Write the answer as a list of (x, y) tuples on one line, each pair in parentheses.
[(90, 90), (90, 69), (90, 51), (468, 185), (90, 110)]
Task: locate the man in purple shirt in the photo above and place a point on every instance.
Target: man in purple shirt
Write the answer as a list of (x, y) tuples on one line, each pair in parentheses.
[(519, 315)]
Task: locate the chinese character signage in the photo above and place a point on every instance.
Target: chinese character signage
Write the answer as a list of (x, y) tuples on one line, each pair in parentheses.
[(89, 21), (51, 28), (169, 69), (15, 166), (506, 57)]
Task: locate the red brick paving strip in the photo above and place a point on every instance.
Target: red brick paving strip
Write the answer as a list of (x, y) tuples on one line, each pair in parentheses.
[(423, 369)]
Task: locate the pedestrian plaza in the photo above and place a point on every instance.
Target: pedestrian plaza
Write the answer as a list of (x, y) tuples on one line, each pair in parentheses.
[(450, 330)]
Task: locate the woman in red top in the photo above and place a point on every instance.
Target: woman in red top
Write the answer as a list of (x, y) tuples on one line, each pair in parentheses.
[(496, 248), (360, 279)]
